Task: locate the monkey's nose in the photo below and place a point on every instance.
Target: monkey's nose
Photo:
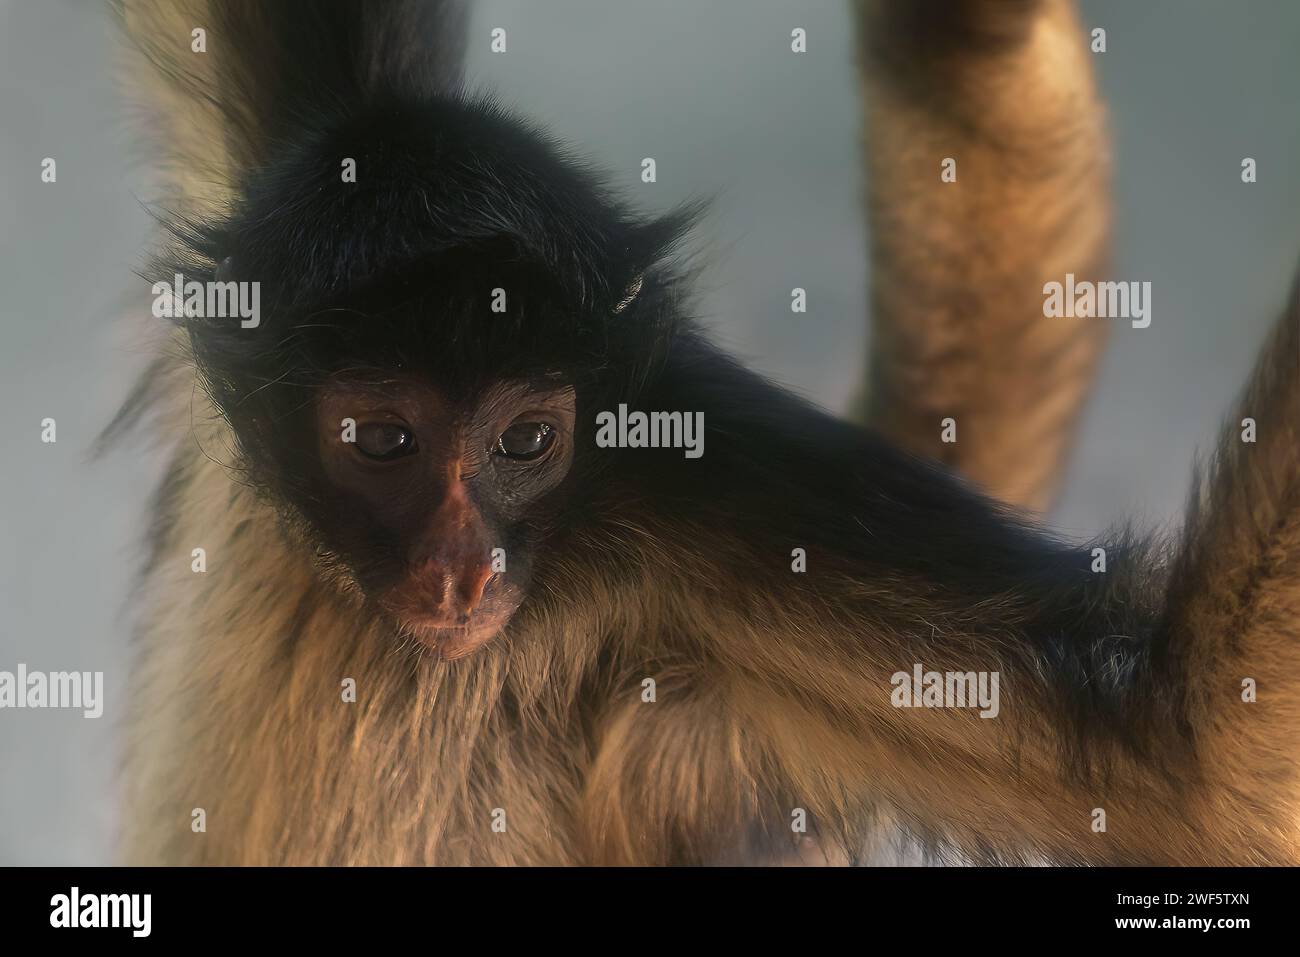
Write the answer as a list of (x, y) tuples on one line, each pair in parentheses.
[(454, 590)]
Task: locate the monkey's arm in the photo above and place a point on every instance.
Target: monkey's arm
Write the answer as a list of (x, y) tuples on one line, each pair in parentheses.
[(1106, 703), (1119, 691), (1004, 91)]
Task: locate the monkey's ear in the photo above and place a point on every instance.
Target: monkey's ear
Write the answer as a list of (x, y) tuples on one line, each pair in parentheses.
[(629, 295)]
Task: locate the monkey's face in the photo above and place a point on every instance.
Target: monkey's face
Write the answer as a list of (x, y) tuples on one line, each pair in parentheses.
[(428, 335), (437, 504)]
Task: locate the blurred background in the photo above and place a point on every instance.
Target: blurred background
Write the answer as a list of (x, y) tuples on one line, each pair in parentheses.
[(712, 92)]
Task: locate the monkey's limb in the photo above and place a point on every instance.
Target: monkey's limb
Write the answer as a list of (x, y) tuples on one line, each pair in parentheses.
[(1005, 91), (1209, 775), (1120, 691), (1232, 624)]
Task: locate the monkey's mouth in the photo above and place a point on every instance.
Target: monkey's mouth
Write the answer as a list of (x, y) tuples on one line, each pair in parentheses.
[(447, 628), (451, 638)]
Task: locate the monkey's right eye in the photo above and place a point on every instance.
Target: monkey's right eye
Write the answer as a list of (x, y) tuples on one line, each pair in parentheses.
[(384, 441)]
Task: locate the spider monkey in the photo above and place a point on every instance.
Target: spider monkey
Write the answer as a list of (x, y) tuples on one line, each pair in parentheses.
[(567, 653)]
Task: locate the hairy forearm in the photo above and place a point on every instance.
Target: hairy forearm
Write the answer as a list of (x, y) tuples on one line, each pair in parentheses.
[(1085, 759), (1155, 700)]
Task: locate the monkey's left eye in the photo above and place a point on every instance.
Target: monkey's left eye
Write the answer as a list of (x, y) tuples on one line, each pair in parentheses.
[(384, 441), (524, 441)]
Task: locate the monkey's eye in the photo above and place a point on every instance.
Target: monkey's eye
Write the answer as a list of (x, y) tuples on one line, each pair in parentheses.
[(524, 441), (384, 441)]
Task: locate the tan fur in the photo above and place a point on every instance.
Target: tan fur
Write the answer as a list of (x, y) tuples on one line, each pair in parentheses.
[(178, 102), (958, 268)]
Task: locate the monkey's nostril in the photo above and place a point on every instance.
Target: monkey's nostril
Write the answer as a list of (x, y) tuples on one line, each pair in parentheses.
[(475, 584)]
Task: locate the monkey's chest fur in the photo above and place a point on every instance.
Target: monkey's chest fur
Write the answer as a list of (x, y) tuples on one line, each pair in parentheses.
[(309, 735)]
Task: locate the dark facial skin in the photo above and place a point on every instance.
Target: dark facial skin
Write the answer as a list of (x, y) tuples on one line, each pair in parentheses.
[(444, 483)]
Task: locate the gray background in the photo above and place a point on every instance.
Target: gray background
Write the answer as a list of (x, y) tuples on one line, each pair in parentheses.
[(710, 90)]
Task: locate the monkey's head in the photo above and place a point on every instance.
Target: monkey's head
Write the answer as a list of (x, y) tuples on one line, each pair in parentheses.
[(436, 334)]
